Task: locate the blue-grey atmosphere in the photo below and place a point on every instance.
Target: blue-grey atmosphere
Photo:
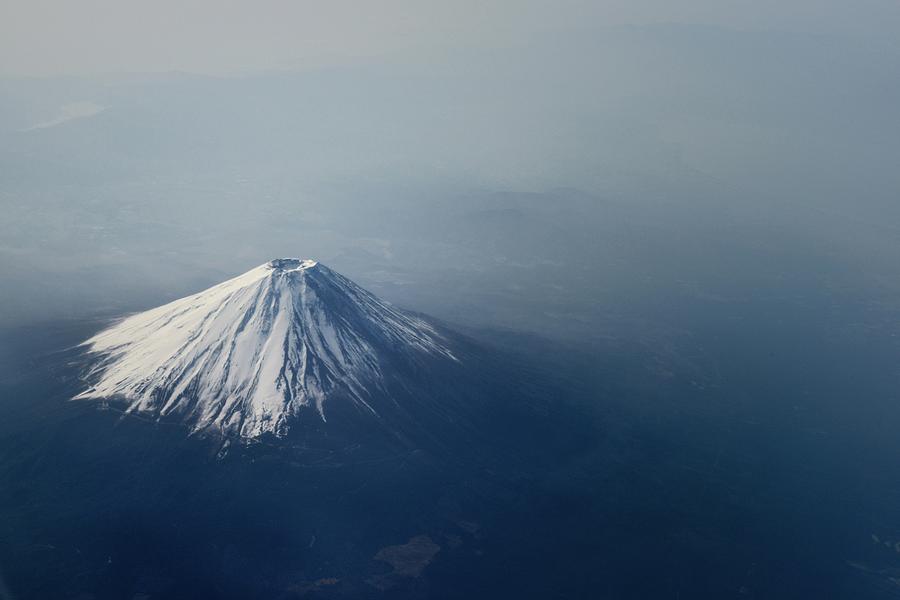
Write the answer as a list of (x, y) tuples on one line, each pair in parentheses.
[(449, 299)]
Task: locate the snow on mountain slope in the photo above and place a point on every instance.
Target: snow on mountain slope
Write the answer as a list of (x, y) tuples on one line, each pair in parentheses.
[(247, 355)]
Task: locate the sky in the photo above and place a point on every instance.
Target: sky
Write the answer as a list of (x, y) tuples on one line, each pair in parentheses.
[(446, 154), (46, 38)]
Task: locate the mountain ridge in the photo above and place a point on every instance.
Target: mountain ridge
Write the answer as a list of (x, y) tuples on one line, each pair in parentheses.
[(250, 355)]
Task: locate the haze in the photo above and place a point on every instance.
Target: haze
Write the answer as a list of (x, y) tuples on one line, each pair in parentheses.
[(666, 236), (446, 154)]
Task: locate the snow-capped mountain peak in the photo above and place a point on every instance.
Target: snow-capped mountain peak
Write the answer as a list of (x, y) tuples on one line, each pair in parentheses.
[(249, 355)]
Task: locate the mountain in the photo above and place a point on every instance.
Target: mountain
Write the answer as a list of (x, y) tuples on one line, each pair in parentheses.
[(341, 445), (289, 341)]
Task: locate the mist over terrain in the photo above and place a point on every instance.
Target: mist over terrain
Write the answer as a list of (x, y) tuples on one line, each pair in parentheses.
[(692, 222), (607, 162)]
